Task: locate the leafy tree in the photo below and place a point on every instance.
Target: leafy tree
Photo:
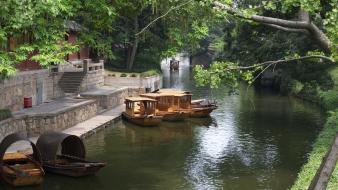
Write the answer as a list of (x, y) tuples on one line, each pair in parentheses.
[(315, 19), (41, 25)]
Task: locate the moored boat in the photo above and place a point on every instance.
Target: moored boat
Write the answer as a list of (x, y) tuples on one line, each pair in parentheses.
[(19, 169), (71, 161), (168, 106), (141, 111), (195, 108)]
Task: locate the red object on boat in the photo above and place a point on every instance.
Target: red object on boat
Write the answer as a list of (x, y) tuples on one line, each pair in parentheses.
[(27, 102)]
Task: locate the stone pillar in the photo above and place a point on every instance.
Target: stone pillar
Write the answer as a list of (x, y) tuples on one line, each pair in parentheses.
[(86, 63)]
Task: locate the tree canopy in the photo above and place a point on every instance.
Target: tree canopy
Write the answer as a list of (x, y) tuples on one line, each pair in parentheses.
[(129, 32)]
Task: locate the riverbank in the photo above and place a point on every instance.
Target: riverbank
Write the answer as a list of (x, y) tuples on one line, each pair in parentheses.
[(329, 101), (320, 148)]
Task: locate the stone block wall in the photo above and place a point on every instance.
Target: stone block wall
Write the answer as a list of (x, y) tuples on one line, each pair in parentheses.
[(25, 84), (10, 126), (92, 79), (38, 124)]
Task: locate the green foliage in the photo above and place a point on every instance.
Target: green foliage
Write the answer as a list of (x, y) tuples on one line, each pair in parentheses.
[(44, 23), (248, 44), (329, 99), (123, 75), (5, 114), (150, 73), (333, 182), (320, 148), (219, 73)]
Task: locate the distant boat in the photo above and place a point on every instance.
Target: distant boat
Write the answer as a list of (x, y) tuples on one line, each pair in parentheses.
[(71, 161), (174, 65), (19, 169), (141, 111)]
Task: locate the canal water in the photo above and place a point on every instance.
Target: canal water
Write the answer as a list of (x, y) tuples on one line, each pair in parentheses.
[(256, 139)]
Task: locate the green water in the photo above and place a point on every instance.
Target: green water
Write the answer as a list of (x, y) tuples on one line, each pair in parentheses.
[(254, 140)]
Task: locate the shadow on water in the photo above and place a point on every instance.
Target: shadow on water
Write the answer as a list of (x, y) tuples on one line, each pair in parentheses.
[(255, 140)]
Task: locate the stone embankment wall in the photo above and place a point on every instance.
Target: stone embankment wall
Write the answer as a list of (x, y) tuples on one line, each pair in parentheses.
[(39, 84), (153, 82), (34, 125)]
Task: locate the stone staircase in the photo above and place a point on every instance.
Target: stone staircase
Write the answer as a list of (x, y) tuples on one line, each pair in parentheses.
[(70, 82)]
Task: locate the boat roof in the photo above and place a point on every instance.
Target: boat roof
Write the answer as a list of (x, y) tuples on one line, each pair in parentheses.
[(12, 138), (172, 91), (139, 99), (156, 95), (51, 141)]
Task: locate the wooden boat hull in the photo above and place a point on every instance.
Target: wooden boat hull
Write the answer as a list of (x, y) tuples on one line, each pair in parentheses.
[(143, 121), (72, 171), (19, 170), (75, 168), (173, 116), (204, 111), (23, 181)]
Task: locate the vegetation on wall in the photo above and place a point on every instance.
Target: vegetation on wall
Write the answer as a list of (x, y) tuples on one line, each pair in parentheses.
[(5, 114)]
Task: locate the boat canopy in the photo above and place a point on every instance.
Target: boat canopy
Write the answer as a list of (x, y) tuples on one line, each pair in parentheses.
[(139, 99), (167, 94), (173, 91), (50, 142), (11, 139)]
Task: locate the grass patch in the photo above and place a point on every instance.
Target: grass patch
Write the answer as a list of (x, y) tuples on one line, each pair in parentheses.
[(150, 73), (329, 99), (5, 114), (333, 183), (320, 148)]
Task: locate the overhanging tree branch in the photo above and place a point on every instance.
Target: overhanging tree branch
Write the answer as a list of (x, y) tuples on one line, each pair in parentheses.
[(287, 25), (165, 14), (288, 29), (270, 63)]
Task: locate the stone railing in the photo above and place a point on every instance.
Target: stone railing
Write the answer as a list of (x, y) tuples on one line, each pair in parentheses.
[(85, 65), (90, 67), (151, 83)]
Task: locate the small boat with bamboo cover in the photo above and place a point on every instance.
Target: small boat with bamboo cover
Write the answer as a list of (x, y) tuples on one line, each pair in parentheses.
[(169, 106), (195, 108), (71, 160), (141, 111), (19, 169)]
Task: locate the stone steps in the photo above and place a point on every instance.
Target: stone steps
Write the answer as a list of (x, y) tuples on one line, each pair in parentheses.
[(70, 82)]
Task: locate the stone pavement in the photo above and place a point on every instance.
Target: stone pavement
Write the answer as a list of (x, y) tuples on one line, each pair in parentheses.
[(53, 107), (96, 123), (82, 130), (102, 91)]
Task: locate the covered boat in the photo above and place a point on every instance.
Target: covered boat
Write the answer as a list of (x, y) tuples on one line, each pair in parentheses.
[(195, 108), (71, 160), (141, 111), (19, 169), (168, 106)]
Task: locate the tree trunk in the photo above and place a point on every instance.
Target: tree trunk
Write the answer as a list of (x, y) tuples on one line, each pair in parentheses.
[(302, 25), (133, 50)]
